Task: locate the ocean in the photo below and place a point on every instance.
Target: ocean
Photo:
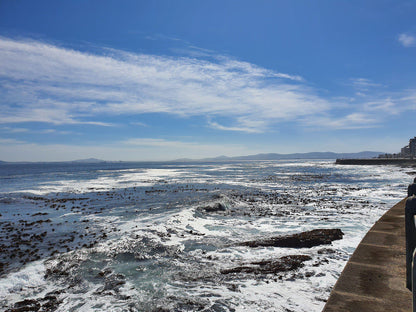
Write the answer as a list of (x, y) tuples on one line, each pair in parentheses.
[(179, 236)]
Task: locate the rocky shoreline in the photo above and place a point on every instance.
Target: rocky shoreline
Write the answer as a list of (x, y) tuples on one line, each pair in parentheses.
[(300, 240), (65, 269)]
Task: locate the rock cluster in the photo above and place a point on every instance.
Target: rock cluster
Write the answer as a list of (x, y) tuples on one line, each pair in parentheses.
[(48, 303), (299, 240), (283, 264)]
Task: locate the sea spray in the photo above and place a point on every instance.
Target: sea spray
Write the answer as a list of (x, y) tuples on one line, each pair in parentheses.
[(171, 236)]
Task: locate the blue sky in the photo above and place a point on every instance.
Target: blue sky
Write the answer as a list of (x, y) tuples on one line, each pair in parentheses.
[(160, 80)]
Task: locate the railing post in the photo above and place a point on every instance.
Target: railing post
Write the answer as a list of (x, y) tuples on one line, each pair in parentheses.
[(410, 212), (414, 280), (411, 189)]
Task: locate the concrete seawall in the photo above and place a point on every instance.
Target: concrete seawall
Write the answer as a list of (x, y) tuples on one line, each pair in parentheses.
[(378, 161), (374, 278)]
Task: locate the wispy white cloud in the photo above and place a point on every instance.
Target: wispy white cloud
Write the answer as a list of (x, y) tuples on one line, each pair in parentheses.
[(245, 125), (138, 123), (14, 130), (216, 125), (375, 100), (348, 122), (155, 37), (363, 86), (407, 40), (391, 103), (363, 83), (382, 105), (368, 111), (52, 84), (41, 82), (26, 130)]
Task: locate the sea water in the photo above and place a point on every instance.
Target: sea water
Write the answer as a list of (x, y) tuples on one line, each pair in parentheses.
[(149, 236)]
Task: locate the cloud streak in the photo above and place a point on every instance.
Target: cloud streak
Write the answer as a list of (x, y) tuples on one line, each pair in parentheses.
[(349, 122), (363, 84), (41, 82), (245, 125), (47, 83)]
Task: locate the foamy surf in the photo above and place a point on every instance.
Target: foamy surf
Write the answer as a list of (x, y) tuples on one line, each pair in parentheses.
[(167, 237)]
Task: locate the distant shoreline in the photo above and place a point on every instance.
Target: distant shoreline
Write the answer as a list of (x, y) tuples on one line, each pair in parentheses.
[(268, 156), (377, 161)]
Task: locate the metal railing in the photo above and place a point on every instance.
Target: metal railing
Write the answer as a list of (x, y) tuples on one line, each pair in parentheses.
[(410, 227)]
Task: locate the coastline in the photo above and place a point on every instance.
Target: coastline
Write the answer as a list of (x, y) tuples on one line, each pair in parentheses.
[(133, 224)]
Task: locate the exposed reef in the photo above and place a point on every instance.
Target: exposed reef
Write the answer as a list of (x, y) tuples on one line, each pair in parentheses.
[(300, 240), (283, 264)]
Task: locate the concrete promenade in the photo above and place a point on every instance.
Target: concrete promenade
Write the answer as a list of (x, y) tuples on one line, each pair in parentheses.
[(374, 278)]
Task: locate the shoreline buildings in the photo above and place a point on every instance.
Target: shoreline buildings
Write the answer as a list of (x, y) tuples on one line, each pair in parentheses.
[(408, 151)]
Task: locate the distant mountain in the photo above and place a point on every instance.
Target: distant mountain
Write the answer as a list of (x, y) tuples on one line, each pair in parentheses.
[(312, 155), (268, 156)]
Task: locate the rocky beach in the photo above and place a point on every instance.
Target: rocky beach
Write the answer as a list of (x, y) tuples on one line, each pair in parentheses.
[(260, 235)]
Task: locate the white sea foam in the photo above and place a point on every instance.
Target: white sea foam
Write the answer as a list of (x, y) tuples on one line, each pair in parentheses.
[(27, 282), (111, 180), (172, 221)]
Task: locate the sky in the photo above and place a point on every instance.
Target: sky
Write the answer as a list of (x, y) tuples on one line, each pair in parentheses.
[(161, 80)]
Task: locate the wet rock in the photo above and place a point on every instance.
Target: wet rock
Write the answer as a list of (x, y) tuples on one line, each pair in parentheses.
[(233, 287), (39, 214), (188, 304), (283, 264), (161, 309), (309, 274), (48, 303), (326, 251), (215, 208), (195, 233), (300, 240), (112, 283), (104, 273), (220, 307), (25, 305)]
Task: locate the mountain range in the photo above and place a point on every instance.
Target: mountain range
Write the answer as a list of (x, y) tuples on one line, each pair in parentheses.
[(267, 156), (311, 155)]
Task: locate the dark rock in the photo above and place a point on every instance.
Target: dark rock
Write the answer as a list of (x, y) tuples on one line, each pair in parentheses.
[(25, 305), (309, 274), (215, 208), (326, 251), (103, 273), (39, 214), (300, 240), (48, 303), (233, 287), (283, 264), (112, 283)]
